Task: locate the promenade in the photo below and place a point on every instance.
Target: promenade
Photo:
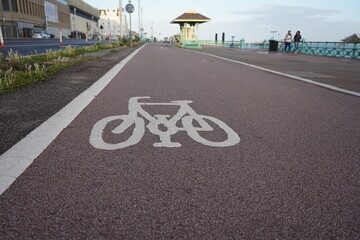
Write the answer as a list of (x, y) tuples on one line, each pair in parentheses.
[(338, 72)]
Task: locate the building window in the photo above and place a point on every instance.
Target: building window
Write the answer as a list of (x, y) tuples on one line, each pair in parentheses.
[(25, 4), (5, 5), (20, 7), (42, 11), (14, 6), (27, 7), (30, 8)]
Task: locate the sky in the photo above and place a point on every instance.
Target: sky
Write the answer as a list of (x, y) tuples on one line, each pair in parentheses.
[(253, 20)]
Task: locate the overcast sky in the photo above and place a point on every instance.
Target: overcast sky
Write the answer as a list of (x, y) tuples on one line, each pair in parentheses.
[(318, 20)]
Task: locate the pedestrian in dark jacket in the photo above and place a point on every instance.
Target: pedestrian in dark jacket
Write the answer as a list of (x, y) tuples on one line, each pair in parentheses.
[(297, 39)]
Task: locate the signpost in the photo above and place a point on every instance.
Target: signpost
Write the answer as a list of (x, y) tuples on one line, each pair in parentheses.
[(130, 9)]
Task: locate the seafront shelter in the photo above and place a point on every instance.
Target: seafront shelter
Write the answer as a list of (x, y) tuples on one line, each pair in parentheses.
[(189, 28)]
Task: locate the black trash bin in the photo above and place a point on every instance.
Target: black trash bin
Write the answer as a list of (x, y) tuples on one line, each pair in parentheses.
[(273, 45)]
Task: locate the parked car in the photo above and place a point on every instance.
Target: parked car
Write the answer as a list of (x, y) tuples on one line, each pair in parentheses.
[(41, 35), (166, 40), (114, 38), (95, 37)]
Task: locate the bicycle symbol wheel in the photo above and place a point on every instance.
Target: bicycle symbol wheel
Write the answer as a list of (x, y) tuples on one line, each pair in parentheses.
[(96, 136), (232, 137)]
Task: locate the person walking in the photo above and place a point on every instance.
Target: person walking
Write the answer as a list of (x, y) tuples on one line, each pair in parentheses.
[(288, 40), (297, 39)]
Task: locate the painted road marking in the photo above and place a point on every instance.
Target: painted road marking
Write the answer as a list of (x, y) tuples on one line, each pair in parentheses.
[(308, 74), (14, 161), (357, 94), (32, 45), (185, 113)]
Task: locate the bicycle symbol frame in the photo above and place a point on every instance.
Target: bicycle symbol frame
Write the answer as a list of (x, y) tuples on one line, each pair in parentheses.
[(185, 113)]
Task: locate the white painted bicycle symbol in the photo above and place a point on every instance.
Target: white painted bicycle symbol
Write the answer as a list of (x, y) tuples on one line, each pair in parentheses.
[(185, 113)]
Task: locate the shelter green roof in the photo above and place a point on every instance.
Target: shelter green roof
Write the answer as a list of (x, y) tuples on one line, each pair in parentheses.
[(191, 16)]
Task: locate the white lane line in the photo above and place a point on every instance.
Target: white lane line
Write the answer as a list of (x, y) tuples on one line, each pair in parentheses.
[(284, 74), (14, 161), (32, 45)]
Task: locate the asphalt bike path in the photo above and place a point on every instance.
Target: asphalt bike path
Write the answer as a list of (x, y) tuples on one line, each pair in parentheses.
[(187, 146)]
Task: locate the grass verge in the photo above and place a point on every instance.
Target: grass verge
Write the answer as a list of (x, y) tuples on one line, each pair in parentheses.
[(17, 71)]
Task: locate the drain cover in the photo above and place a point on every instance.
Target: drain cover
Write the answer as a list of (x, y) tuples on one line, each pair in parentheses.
[(308, 74)]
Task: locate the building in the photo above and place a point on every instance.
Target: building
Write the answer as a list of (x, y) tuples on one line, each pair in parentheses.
[(84, 19), (21, 18), (113, 22)]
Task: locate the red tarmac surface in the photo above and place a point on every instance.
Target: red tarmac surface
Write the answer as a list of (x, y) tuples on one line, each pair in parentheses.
[(294, 174)]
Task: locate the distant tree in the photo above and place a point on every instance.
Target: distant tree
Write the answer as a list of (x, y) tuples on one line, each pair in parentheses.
[(355, 38)]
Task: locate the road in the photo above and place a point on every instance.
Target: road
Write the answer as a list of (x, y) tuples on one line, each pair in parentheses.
[(275, 159), (36, 46)]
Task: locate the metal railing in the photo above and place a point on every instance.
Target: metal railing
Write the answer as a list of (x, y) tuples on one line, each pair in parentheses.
[(228, 44), (329, 49)]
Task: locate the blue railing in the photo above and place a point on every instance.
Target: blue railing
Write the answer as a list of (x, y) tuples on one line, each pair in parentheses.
[(329, 49)]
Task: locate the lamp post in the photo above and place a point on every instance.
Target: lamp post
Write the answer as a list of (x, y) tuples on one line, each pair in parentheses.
[(232, 41), (142, 26), (273, 32), (152, 30), (75, 24), (139, 12), (130, 9), (120, 16), (91, 26), (3, 19)]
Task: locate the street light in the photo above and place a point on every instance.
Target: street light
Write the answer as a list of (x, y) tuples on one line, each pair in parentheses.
[(3, 19), (142, 26), (232, 41), (139, 12), (273, 32), (76, 36), (120, 16)]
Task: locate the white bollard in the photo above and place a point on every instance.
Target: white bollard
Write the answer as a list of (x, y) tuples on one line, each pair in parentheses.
[(60, 36), (1, 38)]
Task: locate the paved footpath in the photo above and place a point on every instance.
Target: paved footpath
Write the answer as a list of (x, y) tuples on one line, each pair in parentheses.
[(180, 145), (343, 73)]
